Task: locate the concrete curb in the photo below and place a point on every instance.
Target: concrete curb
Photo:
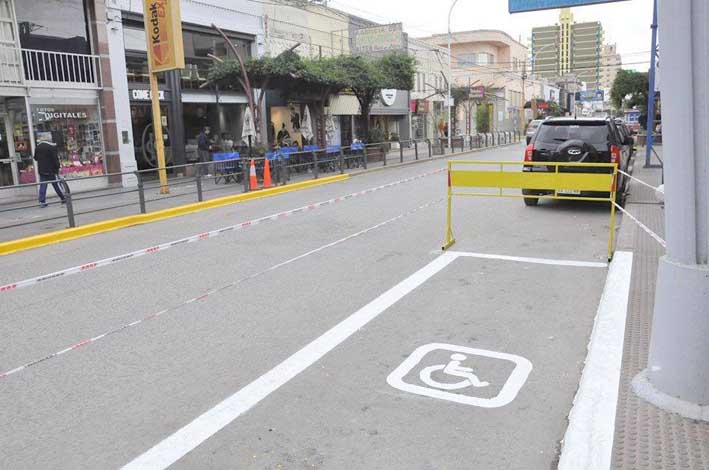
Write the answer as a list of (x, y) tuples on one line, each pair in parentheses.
[(36, 241)]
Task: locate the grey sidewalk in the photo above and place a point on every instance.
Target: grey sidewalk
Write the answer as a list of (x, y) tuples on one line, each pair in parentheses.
[(645, 436), (23, 218)]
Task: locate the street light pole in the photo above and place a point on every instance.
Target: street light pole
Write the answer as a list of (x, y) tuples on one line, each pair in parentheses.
[(450, 74)]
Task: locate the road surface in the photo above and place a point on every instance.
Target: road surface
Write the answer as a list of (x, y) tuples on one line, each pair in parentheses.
[(300, 342)]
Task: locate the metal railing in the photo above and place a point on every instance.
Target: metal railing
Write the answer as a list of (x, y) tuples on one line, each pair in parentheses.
[(194, 180), (20, 67), (61, 69)]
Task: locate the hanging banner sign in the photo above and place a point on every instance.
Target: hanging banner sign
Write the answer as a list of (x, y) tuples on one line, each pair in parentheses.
[(163, 30), (519, 6)]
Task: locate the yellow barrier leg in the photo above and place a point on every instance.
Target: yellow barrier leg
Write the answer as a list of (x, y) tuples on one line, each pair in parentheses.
[(449, 225), (611, 234)]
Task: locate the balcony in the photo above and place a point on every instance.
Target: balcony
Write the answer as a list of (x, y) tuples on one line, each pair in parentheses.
[(47, 69)]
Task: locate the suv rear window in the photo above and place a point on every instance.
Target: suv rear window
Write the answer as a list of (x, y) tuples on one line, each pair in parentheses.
[(589, 132)]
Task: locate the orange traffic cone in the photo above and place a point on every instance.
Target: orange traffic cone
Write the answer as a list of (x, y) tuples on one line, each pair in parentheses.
[(267, 174), (253, 182)]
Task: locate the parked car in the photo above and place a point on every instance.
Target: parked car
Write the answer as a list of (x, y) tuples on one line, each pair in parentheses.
[(532, 128), (627, 135), (582, 140)]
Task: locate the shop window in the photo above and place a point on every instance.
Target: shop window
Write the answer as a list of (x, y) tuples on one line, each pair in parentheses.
[(76, 130)]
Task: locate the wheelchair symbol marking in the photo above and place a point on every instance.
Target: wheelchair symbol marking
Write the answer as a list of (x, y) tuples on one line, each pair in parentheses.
[(436, 378), (453, 368)]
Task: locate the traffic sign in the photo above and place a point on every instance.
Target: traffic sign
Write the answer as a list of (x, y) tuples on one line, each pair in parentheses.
[(519, 6)]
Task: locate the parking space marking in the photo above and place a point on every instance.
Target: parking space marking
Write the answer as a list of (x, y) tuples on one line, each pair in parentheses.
[(442, 391), (203, 427), (523, 259), (588, 441), (190, 436)]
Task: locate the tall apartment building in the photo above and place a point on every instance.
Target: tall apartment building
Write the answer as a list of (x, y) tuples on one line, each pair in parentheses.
[(568, 47), (611, 63)]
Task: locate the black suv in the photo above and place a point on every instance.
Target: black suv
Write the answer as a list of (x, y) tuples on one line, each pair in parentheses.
[(581, 140)]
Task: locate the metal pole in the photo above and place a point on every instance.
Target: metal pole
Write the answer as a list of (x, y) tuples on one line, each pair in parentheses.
[(401, 153), (141, 191), (198, 180), (677, 370), (651, 93), (450, 74), (69, 203), (416, 149), (157, 132)]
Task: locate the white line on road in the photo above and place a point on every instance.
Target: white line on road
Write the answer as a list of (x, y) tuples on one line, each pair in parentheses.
[(522, 259), (588, 441), (202, 428), (153, 316), (203, 236)]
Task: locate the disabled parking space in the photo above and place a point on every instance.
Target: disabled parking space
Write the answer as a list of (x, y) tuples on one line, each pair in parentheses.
[(473, 364)]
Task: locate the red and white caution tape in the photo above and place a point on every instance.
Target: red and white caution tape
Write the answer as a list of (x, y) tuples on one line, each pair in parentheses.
[(645, 228), (210, 292), (637, 180), (203, 236)]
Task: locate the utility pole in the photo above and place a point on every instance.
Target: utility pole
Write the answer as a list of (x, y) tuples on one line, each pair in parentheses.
[(524, 99), (450, 74), (651, 93), (677, 376)]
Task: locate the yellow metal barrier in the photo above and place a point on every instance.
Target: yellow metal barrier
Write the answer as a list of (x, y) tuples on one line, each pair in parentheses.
[(551, 179)]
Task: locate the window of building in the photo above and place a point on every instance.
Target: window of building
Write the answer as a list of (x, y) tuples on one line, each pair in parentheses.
[(60, 28), (198, 47), (467, 60)]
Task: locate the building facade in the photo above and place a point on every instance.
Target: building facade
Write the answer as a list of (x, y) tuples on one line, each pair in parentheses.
[(611, 63), (188, 101), (492, 61), (53, 85), (568, 47)]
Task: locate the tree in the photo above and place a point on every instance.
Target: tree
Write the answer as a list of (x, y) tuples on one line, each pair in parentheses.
[(461, 97), (365, 78), (630, 89), (482, 118)]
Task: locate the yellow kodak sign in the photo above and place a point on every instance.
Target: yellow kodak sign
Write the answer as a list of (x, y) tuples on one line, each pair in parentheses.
[(163, 29)]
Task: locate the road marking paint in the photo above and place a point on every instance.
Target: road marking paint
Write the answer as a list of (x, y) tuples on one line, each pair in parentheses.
[(588, 441), (203, 427), (218, 289), (508, 392), (522, 259), (200, 237)]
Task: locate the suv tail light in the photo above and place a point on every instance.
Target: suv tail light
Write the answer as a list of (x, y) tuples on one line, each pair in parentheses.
[(529, 153), (615, 154)]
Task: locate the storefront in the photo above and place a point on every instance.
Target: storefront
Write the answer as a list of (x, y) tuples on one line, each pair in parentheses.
[(343, 113), (389, 117), (76, 131), (188, 102)]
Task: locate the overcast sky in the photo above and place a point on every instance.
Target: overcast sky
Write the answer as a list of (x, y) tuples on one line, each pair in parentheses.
[(626, 23)]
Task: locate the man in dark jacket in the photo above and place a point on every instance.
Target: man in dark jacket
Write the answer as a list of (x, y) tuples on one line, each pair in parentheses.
[(204, 145), (47, 159)]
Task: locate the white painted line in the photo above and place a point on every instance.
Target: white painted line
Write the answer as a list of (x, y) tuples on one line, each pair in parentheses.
[(522, 259), (202, 428), (588, 441), (508, 392)]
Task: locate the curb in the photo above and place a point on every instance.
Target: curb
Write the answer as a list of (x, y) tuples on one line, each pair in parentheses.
[(36, 241)]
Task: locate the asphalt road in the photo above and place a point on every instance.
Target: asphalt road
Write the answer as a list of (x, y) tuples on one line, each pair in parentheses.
[(285, 358)]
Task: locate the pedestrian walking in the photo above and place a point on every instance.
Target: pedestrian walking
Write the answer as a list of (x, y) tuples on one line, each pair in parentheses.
[(204, 145), (47, 158)]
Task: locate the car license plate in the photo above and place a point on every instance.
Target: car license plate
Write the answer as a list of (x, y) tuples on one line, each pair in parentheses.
[(569, 192)]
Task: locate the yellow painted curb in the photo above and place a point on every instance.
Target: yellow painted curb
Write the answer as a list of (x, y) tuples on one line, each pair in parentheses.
[(36, 241)]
